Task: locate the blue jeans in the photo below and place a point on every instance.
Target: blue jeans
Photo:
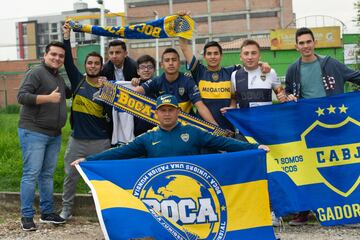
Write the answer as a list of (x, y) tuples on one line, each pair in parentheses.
[(40, 154)]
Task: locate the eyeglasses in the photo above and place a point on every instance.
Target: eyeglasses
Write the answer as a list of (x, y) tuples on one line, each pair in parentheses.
[(148, 67)]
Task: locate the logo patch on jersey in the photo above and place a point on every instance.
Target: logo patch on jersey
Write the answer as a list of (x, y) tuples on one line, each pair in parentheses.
[(263, 77), (181, 91), (215, 76), (154, 143), (185, 137), (200, 212)]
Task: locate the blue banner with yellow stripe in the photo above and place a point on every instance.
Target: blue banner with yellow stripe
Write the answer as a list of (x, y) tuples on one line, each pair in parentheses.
[(314, 162), (217, 196), (166, 27)]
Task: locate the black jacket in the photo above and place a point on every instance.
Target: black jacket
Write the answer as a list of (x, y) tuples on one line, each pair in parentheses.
[(129, 70)]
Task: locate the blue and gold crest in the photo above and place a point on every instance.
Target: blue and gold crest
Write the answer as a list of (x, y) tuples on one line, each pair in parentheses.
[(180, 195), (212, 197), (314, 162)]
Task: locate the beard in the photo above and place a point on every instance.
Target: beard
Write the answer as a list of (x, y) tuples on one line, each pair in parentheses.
[(93, 75)]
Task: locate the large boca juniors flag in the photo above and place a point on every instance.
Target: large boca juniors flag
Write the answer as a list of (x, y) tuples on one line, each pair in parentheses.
[(218, 196), (314, 162)]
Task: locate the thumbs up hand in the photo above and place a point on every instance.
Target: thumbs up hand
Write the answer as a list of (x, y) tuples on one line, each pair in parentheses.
[(55, 96)]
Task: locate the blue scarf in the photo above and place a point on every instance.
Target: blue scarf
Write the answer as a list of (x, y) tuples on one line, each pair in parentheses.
[(166, 27)]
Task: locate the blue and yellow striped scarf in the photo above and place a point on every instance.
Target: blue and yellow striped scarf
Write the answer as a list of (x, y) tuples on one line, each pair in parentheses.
[(166, 27)]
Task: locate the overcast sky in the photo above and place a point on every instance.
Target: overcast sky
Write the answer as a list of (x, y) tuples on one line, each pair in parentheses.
[(12, 11)]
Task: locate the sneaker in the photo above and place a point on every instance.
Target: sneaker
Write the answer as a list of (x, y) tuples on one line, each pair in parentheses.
[(276, 222), (27, 224), (65, 214), (301, 219), (52, 218)]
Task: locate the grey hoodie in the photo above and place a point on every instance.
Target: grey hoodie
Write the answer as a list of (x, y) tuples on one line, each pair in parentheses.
[(46, 118)]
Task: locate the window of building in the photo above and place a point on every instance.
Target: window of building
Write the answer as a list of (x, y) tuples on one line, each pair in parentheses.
[(54, 37), (42, 51), (43, 28), (44, 39), (79, 36), (159, 2), (54, 27), (229, 17), (24, 29), (263, 14), (150, 44)]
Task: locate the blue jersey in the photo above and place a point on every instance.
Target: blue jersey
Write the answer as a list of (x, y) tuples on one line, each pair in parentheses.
[(215, 89), (181, 140), (89, 121), (183, 88), (89, 115)]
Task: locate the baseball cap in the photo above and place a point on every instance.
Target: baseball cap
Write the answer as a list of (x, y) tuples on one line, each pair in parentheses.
[(167, 99)]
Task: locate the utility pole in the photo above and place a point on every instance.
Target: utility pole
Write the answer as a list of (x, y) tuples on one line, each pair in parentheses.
[(102, 23), (157, 46)]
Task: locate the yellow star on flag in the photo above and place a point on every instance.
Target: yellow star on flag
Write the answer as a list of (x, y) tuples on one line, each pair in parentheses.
[(320, 111), (331, 109), (343, 109), (223, 208)]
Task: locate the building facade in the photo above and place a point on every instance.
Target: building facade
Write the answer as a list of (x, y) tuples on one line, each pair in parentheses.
[(34, 34), (219, 20)]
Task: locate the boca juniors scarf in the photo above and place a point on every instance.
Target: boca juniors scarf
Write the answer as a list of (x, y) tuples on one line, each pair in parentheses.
[(166, 27), (144, 107)]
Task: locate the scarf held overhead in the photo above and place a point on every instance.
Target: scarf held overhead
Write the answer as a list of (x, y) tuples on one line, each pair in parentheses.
[(166, 27)]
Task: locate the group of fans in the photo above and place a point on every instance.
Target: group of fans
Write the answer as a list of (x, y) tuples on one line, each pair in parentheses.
[(208, 92)]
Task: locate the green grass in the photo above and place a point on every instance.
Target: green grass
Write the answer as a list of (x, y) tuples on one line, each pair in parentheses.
[(11, 161)]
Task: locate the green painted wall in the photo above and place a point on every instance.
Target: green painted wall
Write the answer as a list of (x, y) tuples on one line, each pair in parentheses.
[(82, 51), (351, 38), (280, 60)]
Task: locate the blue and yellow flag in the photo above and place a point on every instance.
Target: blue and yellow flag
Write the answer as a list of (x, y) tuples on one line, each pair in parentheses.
[(217, 196), (314, 162), (166, 27)]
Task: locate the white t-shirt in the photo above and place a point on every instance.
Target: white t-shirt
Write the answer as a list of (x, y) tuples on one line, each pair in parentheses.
[(257, 80), (123, 123), (119, 74)]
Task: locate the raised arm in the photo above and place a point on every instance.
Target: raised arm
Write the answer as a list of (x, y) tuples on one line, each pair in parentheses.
[(71, 70), (186, 49)]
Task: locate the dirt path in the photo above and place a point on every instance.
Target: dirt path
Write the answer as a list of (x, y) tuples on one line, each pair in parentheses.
[(89, 229)]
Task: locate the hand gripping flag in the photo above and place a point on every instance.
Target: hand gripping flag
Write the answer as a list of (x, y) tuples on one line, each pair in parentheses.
[(314, 162), (217, 196), (166, 27)]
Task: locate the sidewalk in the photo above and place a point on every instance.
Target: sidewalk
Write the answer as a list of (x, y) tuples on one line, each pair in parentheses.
[(84, 203)]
